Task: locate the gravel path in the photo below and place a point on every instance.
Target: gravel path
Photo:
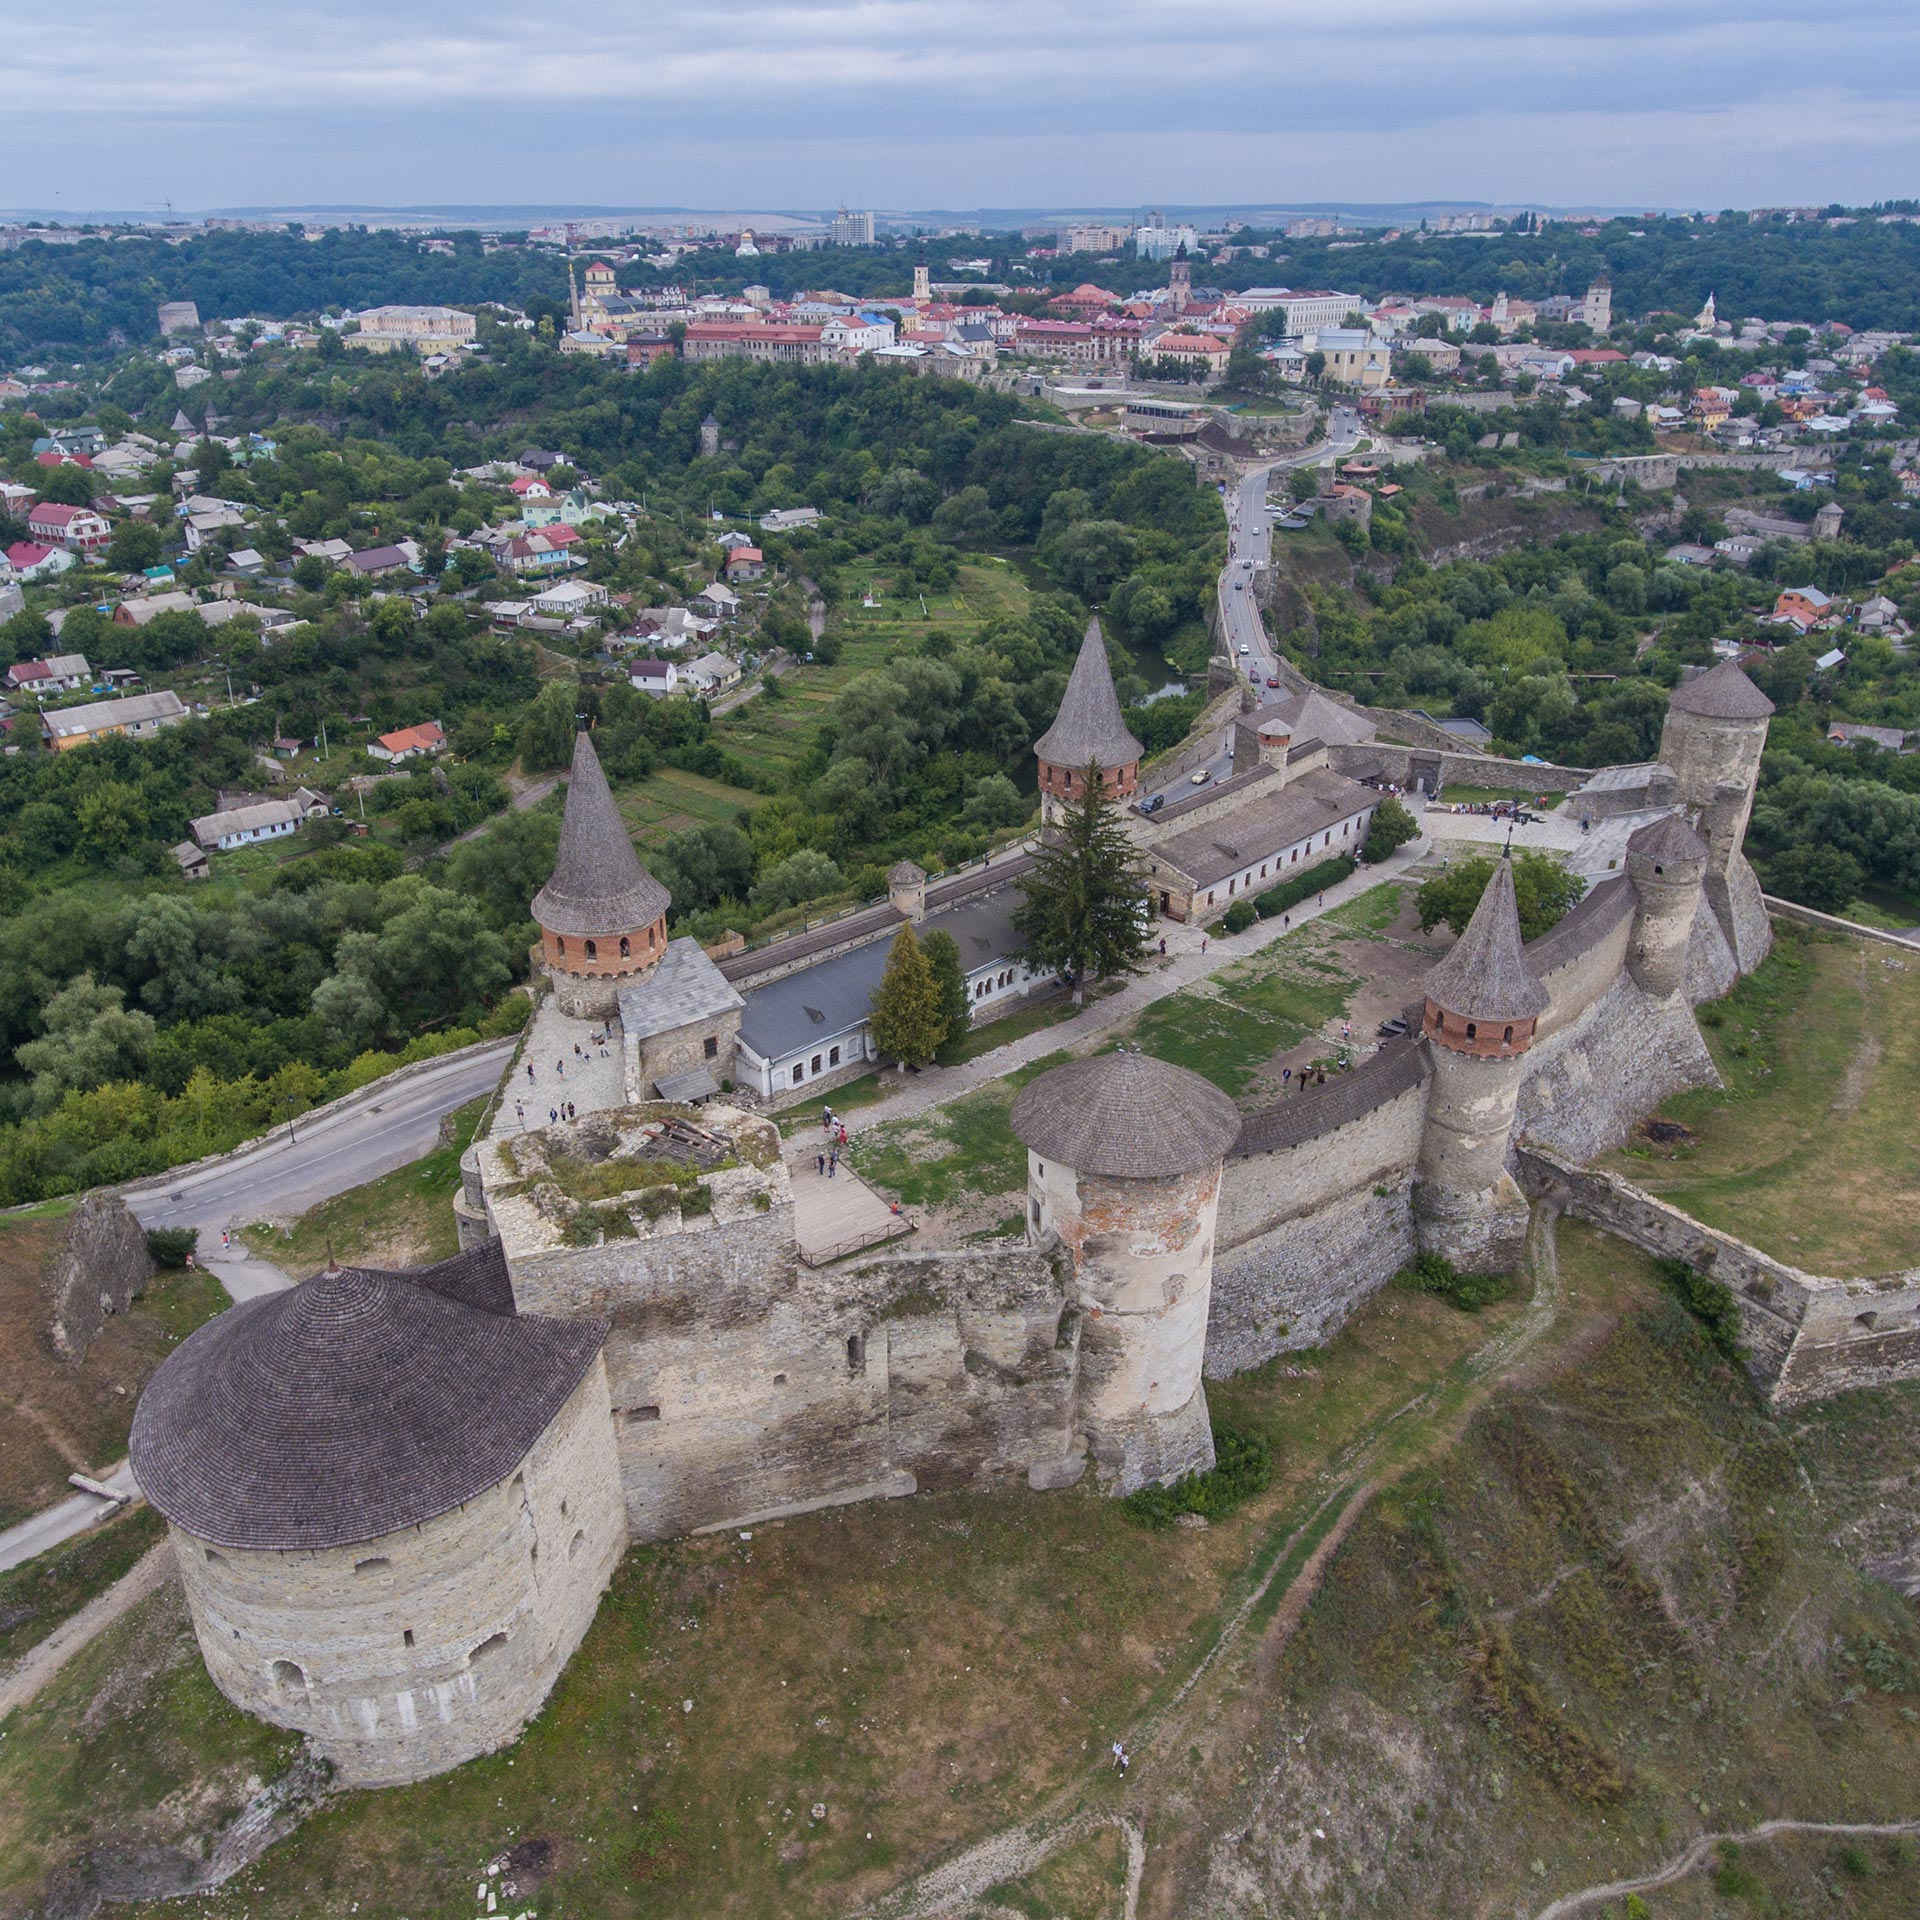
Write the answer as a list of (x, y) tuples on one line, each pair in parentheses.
[(38, 1665)]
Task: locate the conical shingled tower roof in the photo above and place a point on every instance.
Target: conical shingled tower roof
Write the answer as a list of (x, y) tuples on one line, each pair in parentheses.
[(1484, 975), (1722, 693), (1088, 729), (598, 884)]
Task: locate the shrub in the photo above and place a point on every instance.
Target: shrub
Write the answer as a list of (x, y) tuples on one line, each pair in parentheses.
[(1710, 1303), (1242, 1466), (1393, 826), (1239, 917), (171, 1246), (1435, 1274), (1289, 893)]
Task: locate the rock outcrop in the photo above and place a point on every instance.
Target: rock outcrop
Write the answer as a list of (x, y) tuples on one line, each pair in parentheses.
[(103, 1264)]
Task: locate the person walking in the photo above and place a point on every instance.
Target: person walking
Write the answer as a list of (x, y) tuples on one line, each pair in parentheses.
[(833, 1161), (553, 1116), (529, 1073), (820, 1165), (1119, 1759), (843, 1134)]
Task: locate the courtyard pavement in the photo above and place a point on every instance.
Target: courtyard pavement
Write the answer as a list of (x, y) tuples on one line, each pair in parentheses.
[(837, 1213), (564, 1060)]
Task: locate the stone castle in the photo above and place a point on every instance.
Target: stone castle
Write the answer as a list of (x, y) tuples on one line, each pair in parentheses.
[(396, 1498)]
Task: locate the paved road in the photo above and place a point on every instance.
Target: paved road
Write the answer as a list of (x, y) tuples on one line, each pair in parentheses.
[(286, 1175), (57, 1523), (1249, 548)]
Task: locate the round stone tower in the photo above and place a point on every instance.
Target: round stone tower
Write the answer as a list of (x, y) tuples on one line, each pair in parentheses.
[(602, 916), (1087, 731), (1123, 1163), (394, 1505), (1667, 866), (1714, 735), (1482, 1005)]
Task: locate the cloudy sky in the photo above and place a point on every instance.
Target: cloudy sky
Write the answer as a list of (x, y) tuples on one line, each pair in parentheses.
[(964, 103)]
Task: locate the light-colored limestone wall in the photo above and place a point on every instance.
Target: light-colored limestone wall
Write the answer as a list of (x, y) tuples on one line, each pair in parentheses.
[(1469, 1118), (1261, 1191), (408, 1654), (935, 1369), (1594, 1080), (684, 1050), (1706, 754), (1294, 1284), (1143, 1253), (1578, 974), (1806, 1336), (1657, 952)]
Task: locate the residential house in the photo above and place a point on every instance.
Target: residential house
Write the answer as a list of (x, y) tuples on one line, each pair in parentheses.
[(1849, 733), (668, 629), (58, 673), (549, 551), (78, 529), (712, 673), (336, 552), (203, 526), (192, 862), (1877, 615), (657, 677), (373, 563), (719, 600), (139, 716), (744, 563), (1354, 358), (407, 742), (246, 826), (789, 519), (569, 599), (138, 609), (530, 486), (30, 561), (272, 620), (1802, 607), (15, 500)]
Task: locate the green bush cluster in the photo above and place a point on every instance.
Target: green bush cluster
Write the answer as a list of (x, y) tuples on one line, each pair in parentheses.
[(171, 1246), (1435, 1274), (1242, 1466), (1289, 893), (1709, 1301), (1239, 917)]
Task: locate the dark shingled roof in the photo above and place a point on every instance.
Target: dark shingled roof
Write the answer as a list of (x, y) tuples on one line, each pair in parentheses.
[(1722, 693), (598, 884), (351, 1406), (1399, 1066), (1583, 927), (1668, 838), (1484, 974), (1088, 729), (1126, 1116)]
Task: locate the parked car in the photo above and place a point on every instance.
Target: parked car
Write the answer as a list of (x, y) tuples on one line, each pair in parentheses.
[(1273, 679), (1153, 803)]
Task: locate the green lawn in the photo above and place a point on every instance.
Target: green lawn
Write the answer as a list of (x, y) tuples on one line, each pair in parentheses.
[(1474, 796), (1810, 1151), (403, 1219), (36, 1597), (1372, 912), (1226, 1028), (670, 800)]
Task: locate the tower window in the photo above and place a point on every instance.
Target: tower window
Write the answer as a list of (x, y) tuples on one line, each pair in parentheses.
[(1471, 1030), (560, 943), (712, 1047), (1509, 1034), (626, 947), (856, 1354), (289, 1677), (593, 952)]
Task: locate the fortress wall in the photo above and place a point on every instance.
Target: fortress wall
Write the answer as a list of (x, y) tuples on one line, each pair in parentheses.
[(1403, 765), (1590, 1082), (1712, 969), (1580, 961), (1310, 1230), (405, 1655), (1806, 1336), (851, 1384)]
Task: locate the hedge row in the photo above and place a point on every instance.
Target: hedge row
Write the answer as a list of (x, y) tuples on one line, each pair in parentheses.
[(1289, 893)]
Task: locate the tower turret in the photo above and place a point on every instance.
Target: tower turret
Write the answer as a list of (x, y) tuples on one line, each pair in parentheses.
[(1482, 1005), (1180, 276), (602, 916), (1087, 731), (1667, 865), (1715, 733), (922, 282), (1124, 1154)]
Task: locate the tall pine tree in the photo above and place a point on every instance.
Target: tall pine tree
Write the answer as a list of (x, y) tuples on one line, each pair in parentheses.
[(907, 1021), (1085, 908), (950, 976)]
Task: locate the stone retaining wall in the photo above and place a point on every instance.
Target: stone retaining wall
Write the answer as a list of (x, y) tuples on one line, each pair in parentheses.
[(1806, 1335)]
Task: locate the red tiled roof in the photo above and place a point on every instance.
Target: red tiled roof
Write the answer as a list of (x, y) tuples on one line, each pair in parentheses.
[(426, 734)]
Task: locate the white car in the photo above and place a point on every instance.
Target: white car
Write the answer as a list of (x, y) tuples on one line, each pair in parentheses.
[(1244, 648), (1201, 778)]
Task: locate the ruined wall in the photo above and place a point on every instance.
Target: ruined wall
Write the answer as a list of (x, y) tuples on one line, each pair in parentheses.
[(1588, 1085), (102, 1264), (1405, 765), (407, 1654), (1805, 1335), (936, 1370)]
